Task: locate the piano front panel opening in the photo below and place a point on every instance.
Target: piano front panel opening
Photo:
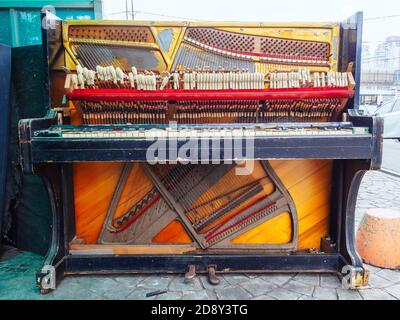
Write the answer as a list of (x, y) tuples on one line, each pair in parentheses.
[(283, 205)]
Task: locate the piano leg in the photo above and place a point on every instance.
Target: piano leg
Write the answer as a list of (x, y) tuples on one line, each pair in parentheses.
[(58, 182), (351, 268)]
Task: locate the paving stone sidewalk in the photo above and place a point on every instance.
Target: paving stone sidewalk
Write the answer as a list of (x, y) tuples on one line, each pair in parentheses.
[(377, 190)]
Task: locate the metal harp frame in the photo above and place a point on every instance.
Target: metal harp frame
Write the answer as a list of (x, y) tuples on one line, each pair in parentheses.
[(280, 195)]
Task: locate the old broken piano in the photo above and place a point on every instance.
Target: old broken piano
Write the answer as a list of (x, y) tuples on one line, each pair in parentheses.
[(202, 147)]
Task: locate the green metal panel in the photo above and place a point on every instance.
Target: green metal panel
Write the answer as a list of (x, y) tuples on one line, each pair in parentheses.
[(20, 23), (42, 3), (27, 27), (5, 27)]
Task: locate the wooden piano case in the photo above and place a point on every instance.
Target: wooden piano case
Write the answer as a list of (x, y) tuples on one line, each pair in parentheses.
[(114, 212)]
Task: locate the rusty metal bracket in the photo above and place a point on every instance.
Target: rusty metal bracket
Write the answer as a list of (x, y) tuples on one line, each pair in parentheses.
[(191, 273), (212, 276)]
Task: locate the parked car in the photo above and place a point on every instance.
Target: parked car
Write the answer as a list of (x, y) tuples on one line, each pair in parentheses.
[(390, 111), (372, 99)]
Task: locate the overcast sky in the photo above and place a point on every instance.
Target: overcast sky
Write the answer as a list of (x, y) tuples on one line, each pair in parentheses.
[(267, 10)]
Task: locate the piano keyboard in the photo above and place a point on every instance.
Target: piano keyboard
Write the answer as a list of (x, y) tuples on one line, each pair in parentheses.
[(221, 133)]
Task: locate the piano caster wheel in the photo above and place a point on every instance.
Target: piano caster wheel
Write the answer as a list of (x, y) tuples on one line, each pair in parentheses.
[(212, 277), (191, 273)]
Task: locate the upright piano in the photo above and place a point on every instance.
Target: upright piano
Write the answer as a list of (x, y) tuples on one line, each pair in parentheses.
[(183, 147)]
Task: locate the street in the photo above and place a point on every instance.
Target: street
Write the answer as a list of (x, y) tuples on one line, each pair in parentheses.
[(391, 155)]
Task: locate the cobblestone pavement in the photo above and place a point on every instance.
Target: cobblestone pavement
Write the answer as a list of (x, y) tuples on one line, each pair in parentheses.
[(377, 190)]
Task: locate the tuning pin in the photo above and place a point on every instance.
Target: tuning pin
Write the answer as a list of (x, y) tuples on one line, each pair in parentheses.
[(322, 79), (154, 81), (176, 80), (143, 81), (104, 73), (79, 69), (81, 81), (164, 81), (74, 79), (303, 77), (334, 81), (98, 71), (328, 78), (199, 80), (92, 77), (138, 80), (194, 83), (345, 79), (294, 79), (146, 82), (149, 82), (271, 80), (285, 79), (85, 73), (113, 74), (191, 81), (290, 80), (185, 81), (107, 73), (212, 83), (220, 80), (120, 74), (131, 79)]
